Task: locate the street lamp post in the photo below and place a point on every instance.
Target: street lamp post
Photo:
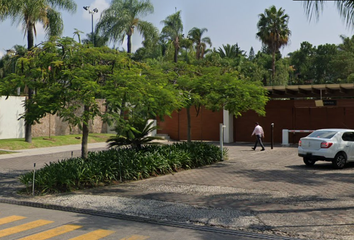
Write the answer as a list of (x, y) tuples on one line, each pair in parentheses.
[(95, 10)]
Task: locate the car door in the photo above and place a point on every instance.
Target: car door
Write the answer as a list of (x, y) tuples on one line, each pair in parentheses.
[(348, 140)]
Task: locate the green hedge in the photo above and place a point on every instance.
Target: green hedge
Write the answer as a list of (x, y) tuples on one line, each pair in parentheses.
[(120, 164)]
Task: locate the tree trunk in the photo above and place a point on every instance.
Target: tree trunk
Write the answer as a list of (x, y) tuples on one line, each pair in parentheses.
[(129, 43), (176, 55), (188, 125), (198, 52), (28, 126), (176, 45), (85, 133), (30, 37), (273, 67)]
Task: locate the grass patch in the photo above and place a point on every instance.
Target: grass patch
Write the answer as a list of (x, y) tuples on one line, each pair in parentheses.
[(4, 152), (41, 142)]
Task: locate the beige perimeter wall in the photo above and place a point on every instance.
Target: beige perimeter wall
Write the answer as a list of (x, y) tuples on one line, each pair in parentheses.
[(51, 125)]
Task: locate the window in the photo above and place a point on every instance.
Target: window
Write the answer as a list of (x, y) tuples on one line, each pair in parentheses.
[(348, 136), (323, 134)]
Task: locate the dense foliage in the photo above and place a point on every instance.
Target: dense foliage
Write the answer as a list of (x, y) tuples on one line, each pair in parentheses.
[(121, 164)]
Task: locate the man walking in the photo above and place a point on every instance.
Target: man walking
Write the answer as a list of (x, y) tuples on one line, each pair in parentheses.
[(258, 131)]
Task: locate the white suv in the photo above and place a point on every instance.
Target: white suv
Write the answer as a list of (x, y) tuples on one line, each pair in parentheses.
[(335, 145)]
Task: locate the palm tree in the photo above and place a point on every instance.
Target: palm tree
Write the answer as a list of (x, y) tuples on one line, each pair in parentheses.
[(78, 33), (122, 17), (345, 7), (172, 31), (30, 12), (8, 62), (230, 51), (273, 31), (195, 34), (99, 41)]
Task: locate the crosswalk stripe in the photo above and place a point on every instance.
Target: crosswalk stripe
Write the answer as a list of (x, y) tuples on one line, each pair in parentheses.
[(10, 219), (98, 234), (52, 232), (136, 237), (23, 227)]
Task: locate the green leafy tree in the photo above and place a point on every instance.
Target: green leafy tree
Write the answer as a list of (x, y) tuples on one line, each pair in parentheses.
[(173, 31), (67, 78), (215, 88), (282, 75), (195, 34), (343, 62), (323, 63), (140, 92), (251, 55), (273, 31), (123, 17), (302, 61), (228, 91), (30, 12)]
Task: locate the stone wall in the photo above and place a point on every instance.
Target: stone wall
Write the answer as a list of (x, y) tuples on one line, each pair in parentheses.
[(52, 125)]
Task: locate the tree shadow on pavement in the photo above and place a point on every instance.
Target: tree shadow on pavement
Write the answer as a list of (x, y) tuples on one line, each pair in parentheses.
[(10, 184)]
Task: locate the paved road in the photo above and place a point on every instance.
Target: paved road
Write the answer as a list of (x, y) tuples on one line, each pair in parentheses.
[(273, 188), (28, 223)]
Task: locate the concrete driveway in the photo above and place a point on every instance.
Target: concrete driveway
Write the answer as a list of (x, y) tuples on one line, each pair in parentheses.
[(282, 195)]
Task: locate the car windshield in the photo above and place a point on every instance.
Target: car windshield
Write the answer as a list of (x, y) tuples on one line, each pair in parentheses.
[(322, 134)]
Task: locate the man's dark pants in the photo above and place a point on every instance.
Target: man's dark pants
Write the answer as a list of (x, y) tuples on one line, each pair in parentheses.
[(259, 140)]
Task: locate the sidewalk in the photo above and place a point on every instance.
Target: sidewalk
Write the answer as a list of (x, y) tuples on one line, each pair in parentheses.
[(50, 150), (270, 192)]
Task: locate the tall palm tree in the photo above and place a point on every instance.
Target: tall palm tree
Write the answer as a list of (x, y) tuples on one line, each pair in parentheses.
[(195, 34), (273, 31), (173, 31), (30, 12), (122, 17), (345, 7)]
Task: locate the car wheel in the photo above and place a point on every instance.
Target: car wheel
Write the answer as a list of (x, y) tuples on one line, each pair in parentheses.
[(339, 161), (309, 161)]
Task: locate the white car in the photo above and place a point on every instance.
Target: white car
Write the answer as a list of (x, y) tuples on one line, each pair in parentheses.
[(335, 145)]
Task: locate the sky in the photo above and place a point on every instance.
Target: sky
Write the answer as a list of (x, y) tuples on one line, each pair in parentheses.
[(227, 21)]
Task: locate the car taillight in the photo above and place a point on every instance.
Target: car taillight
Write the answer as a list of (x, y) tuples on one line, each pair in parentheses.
[(299, 143), (326, 144)]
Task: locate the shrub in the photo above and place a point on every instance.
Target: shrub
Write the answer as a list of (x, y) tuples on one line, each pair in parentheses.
[(104, 167)]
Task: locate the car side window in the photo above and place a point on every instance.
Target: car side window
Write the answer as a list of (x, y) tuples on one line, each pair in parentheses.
[(348, 136)]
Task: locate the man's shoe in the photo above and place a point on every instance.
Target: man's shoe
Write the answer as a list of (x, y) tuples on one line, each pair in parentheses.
[(253, 149), (263, 149)]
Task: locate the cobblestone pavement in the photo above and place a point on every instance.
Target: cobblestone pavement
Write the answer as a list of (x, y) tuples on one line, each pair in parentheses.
[(288, 198)]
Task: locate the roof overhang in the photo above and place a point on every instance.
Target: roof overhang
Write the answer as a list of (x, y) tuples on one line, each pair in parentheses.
[(311, 91)]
